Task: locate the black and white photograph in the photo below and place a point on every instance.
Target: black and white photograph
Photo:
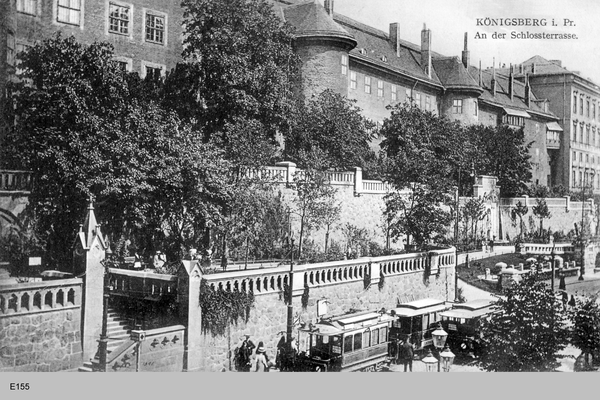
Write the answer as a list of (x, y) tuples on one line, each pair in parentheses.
[(299, 186)]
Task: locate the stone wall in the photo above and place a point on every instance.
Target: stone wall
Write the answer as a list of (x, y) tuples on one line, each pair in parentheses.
[(404, 279), (40, 326)]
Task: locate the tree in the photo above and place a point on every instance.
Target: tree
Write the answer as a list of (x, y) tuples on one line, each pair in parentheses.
[(519, 212), (586, 326), (502, 151), (474, 210), (421, 153), (333, 124), (86, 129), (541, 211), (239, 68), (528, 331)]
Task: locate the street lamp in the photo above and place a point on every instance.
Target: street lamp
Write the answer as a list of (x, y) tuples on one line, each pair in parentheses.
[(429, 362), (553, 255), (447, 358), (439, 340)]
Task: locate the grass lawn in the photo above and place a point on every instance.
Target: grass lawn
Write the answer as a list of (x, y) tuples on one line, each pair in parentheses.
[(478, 267)]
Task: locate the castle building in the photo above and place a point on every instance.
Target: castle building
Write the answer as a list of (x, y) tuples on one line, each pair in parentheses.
[(373, 67), (576, 102)]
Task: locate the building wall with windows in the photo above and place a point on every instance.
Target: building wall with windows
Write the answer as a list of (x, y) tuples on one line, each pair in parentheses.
[(146, 35)]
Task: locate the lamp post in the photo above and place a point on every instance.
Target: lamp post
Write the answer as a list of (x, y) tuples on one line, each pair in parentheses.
[(290, 309), (103, 342), (552, 255), (439, 340)]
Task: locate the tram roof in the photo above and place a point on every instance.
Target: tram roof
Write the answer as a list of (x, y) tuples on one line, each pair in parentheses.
[(466, 314), (418, 307), (341, 325), (474, 304)]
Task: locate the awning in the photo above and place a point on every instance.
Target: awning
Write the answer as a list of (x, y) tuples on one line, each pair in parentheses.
[(407, 312), (553, 126), (517, 113)]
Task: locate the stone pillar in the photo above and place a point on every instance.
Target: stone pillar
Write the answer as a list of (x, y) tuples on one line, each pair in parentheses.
[(188, 288), (358, 186), (291, 170)]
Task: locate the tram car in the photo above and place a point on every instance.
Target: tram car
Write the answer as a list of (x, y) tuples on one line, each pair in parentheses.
[(416, 320), (462, 324), (352, 342)]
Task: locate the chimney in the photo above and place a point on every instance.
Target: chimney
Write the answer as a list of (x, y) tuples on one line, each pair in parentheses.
[(329, 7), (511, 83), (520, 68), (480, 77), (494, 77), (527, 91), (426, 50), (466, 55), (395, 37), (533, 68)]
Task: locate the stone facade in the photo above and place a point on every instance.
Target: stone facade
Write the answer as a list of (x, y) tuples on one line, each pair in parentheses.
[(40, 326)]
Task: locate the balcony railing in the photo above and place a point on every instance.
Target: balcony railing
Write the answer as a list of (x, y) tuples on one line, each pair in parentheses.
[(15, 181), (39, 297)]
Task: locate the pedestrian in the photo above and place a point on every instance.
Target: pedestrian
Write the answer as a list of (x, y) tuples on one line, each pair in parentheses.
[(394, 351), (280, 357), (492, 244), (408, 353), (262, 365), (572, 301), (565, 299), (245, 354)]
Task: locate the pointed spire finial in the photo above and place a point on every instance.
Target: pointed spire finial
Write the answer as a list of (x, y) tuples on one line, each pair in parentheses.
[(91, 202)]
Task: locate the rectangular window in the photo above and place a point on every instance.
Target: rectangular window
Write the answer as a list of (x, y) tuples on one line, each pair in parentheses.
[(418, 99), (379, 88), (427, 103), (457, 106), (581, 105), (352, 80), (118, 19), (383, 335), (581, 132), (155, 28), (574, 103), (357, 341), (27, 6), (394, 93), (475, 107), (368, 84), (513, 120), (153, 72), (594, 112), (587, 158), (69, 12), (587, 135), (574, 138), (587, 108), (374, 337), (408, 96), (366, 339), (10, 49), (348, 344), (344, 64)]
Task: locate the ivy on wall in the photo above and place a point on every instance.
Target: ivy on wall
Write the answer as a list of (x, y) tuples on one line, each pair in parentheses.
[(305, 297), (223, 307), (381, 282)]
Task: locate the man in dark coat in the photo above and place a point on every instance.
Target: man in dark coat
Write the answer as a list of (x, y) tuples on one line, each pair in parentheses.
[(408, 353), (245, 354)]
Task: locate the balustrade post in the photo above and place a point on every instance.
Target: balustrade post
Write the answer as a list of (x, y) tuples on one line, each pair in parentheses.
[(291, 170), (358, 181)]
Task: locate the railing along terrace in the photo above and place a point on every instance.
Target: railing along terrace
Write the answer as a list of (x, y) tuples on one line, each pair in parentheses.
[(546, 248), (147, 285), (273, 280), (15, 181), (375, 187), (38, 297), (341, 178)]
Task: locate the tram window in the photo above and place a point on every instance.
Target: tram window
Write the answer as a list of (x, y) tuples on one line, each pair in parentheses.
[(348, 344), (375, 337), (383, 335), (357, 341), (336, 345), (366, 342)]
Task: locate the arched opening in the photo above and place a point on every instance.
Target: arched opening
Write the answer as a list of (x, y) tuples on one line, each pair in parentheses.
[(25, 301), (37, 301), (12, 303), (48, 300)]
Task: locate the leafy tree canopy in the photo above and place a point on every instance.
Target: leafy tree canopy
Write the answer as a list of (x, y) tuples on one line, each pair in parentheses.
[(527, 333), (331, 123), (83, 129), (238, 70)]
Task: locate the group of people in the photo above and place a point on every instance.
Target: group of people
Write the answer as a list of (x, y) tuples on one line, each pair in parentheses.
[(403, 352), (285, 359)]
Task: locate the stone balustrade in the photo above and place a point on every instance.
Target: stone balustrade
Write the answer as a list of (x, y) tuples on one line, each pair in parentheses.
[(147, 285), (557, 202), (15, 181), (39, 297), (546, 248)]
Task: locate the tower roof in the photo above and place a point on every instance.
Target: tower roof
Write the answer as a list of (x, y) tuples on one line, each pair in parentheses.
[(89, 231), (454, 76)]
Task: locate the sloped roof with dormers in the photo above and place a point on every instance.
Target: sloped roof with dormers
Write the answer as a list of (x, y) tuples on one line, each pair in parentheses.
[(502, 98)]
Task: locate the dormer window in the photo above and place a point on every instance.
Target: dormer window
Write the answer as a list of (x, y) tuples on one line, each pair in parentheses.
[(363, 51), (384, 58)]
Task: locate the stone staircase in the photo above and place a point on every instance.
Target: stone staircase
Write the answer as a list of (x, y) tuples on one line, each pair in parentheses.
[(118, 330)]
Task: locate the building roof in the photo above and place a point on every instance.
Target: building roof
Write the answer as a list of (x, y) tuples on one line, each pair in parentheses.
[(453, 74), (502, 98), (310, 19)]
